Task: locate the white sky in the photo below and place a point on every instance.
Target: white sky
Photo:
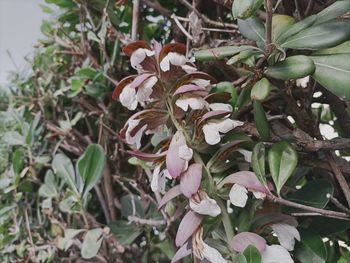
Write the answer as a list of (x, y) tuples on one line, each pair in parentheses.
[(20, 22)]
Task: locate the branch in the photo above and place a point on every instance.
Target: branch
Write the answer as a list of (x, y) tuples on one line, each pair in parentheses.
[(323, 212), (269, 13), (135, 19)]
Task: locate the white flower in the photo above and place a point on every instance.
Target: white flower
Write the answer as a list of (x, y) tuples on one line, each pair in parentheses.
[(196, 103), (145, 90), (158, 179), (128, 98), (185, 152), (220, 106), (286, 235), (188, 69), (138, 56), (207, 206), (259, 195), (212, 255), (276, 254), (203, 83), (172, 58), (135, 140), (238, 195), (247, 155), (213, 128), (303, 82)]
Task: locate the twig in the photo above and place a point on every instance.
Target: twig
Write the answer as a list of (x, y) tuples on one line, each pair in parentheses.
[(340, 177), (135, 19), (337, 203), (183, 30), (32, 251), (323, 212), (150, 222), (102, 203), (205, 18), (269, 13)]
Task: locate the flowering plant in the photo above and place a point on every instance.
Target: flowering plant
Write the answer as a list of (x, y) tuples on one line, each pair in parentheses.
[(198, 163)]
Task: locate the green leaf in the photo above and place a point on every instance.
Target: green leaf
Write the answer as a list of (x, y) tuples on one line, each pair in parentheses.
[(131, 206), (311, 248), (280, 24), (252, 254), (252, 28), (219, 52), (48, 189), (92, 243), (13, 138), (282, 161), (243, 56), (245, 8), (343, 48), (258, 162), (18, 161), (260, 120), (64, 168), (261, 89), (293, 67), (226, 86), (125, 232), (333, 72), (314, 193), (90, 166), (320, 36), (296, 28), (239, 258), (334, 226), (333, 11)]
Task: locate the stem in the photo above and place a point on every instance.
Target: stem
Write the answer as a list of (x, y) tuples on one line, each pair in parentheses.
[(226, 220), (269, 13), (323, 212), (135, 19)]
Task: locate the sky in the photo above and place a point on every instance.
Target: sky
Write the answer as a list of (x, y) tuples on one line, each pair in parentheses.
[(20, 22)]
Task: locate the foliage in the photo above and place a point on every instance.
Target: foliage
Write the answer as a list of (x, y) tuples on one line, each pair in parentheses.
[(151, 150)]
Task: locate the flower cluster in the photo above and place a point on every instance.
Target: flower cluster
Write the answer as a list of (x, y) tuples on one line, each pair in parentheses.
[(176, 106)]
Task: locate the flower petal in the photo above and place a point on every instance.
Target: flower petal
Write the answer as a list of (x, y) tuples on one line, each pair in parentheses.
[(145, 90), (188, 225), (134, 141), (238, 195), (286, 235), (185, 152), (276, 253), (128, 98), (171, 194), (212, 255), (196, 103), (207, 206), (226, 125), (303, 82), (138, 56), (158, 180), (175, 164), (247, 155), (245, 178), (211, 134), (182, 252), (188, 68), (242, 240), (191, 180), (220, 107)]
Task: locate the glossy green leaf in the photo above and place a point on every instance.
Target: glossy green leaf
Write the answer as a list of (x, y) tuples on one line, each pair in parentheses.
[(125, 232), (226, 86), (335, 10), (334, 226), (260, 120), (239, 258), (258, 162), (245, 8), (296, 28), (314, 193), (333, 72), (311, 248), (90, 166), (252, 254), (320, 36), (242, 56), (280, 24), (293, 67), (343, 48), (64, 168), (219, 52), (261, 89), (92, 243), (282, 162), (252, 28)]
